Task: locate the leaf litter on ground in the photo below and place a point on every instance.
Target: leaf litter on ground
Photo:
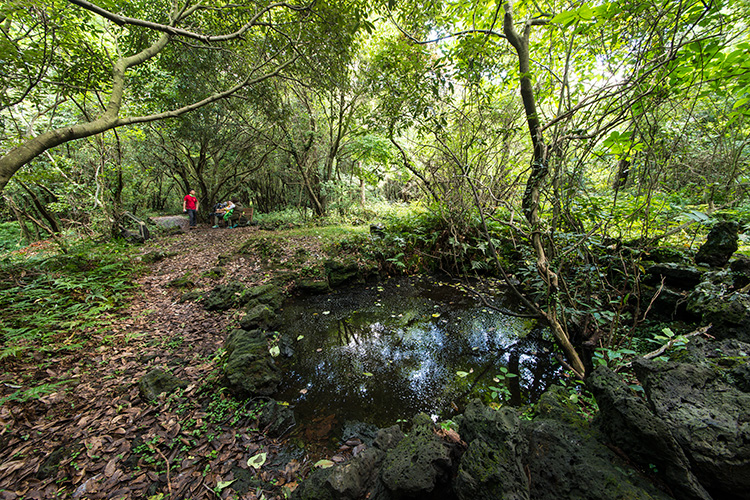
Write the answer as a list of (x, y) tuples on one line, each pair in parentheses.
[(94, 437)]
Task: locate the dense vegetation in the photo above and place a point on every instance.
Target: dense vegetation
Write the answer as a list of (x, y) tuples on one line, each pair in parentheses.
[(550, 143)]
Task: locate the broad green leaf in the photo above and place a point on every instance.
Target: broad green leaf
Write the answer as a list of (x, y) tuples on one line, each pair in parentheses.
[(462, 374), (585, 12), (275, 351), (564, 17), (367, 374)]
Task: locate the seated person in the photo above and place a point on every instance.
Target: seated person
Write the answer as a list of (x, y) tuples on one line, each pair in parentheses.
[(223, 211)]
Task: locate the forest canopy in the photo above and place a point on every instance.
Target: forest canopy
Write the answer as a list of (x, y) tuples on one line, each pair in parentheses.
[(564, 122)]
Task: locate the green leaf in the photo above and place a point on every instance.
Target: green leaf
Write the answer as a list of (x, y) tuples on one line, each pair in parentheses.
[(275, 351), (462, 374), (223, 484), (300, 337), (585, 12), (367, 374), (564, 17), (257, 461)]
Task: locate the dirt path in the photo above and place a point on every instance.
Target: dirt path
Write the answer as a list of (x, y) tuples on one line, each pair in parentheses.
[(98, 439)]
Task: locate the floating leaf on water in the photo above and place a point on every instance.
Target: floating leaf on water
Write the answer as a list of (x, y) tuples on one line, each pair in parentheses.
[(462, 374), (275, 351), (324, 464), (257, 461)]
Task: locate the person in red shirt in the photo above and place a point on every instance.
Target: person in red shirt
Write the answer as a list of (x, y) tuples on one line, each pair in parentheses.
[(190, 206)]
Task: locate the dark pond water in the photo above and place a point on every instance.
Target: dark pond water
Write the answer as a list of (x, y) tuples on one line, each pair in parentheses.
[(386, 351)]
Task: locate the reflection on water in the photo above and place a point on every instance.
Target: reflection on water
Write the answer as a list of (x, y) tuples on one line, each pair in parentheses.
[(383, 352)]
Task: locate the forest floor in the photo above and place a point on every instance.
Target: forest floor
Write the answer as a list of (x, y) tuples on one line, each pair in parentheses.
[(96, 438)]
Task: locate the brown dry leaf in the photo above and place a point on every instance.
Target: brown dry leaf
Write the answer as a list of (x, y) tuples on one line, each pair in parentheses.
[(109, 470), (9, 467), (79, 475), (120, 494), (449, 434), (92, 445)]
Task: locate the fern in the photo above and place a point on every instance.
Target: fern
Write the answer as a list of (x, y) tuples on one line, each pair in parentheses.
[(33, 393), (74, 293)]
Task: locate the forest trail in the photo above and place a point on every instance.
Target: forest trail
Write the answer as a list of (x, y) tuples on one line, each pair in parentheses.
[(96, 437)]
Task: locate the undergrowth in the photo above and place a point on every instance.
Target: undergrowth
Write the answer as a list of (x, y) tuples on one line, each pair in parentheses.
[(10, 236), (50, 302)]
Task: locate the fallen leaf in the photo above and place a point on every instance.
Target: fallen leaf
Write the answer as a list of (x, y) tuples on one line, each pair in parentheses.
[(223, 484), (110, 468), (257, 461)]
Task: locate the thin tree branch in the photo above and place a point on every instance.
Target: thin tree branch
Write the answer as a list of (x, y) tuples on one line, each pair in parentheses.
[(174, 31)]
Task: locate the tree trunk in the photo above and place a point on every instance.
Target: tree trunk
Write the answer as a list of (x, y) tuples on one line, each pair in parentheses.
[(41, 208), (361, 189), (25, 233), (539, 171)]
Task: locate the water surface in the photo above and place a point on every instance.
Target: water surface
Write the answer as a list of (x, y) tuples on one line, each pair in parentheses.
[(381, 353)]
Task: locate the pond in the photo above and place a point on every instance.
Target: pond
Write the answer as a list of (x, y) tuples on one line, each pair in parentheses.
[(382, 352)]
